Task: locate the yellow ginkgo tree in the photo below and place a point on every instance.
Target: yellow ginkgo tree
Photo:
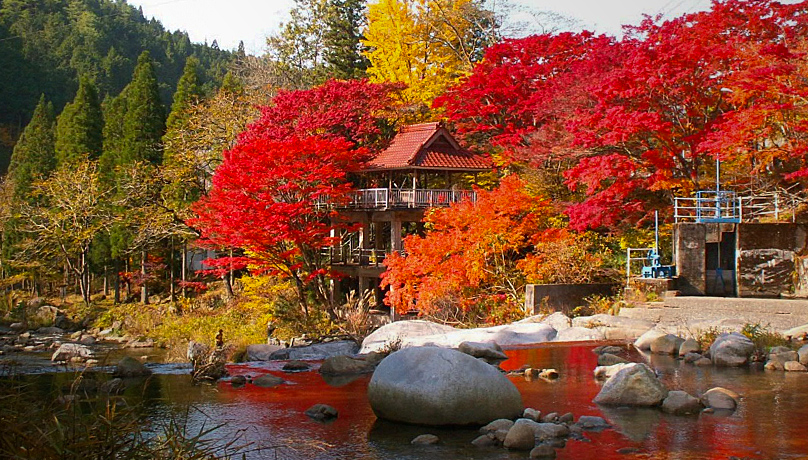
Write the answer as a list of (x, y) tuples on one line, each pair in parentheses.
[(426, 44)]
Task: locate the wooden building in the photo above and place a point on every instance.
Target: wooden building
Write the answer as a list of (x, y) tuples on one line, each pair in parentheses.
[(423, 167)]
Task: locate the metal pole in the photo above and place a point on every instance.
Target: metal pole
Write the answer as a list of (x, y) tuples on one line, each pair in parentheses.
[(656, 232)]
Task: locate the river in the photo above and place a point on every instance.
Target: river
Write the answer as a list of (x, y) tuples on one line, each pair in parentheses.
[(767, 425)]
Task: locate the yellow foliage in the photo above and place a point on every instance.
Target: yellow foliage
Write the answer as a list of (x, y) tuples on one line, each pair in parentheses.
[(426, 44)]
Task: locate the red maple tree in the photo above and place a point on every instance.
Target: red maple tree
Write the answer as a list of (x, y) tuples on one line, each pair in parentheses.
[(271, 196)]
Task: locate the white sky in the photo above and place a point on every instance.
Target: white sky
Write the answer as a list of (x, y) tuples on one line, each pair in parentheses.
[(228, 21)]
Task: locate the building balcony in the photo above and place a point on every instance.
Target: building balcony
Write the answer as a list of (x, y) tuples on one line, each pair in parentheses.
[(385, 198)]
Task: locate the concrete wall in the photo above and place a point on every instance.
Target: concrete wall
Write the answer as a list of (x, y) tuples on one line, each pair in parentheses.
[(770, 258), (562, 297), (690, 242)]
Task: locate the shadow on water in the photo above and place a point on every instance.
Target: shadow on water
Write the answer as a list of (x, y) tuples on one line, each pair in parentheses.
[(767, 425)]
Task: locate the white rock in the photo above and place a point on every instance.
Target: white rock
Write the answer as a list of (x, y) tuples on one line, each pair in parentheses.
[(400, 331), (644, 341), (605, 372), (578, 334), (633, 386)]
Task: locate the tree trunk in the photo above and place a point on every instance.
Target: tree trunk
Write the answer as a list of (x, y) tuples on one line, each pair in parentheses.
[(144, 289), (106, 280), (228, 288), (184, 269), (172, 297), (84, 278), (117, 279)]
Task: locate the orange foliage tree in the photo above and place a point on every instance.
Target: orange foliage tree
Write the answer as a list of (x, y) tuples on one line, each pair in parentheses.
[(474, 260)]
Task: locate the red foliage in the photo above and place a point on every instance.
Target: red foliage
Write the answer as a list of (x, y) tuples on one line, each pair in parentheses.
[(267, 194), (524, 89), (647, 116), (467, 259)]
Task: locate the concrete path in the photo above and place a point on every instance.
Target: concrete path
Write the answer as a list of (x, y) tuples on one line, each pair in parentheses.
[(683, 314)]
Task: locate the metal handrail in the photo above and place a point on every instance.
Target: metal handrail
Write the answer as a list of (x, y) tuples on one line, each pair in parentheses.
[(725, 206)]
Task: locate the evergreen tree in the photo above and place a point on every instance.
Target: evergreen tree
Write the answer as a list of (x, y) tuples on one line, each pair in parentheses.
[(345, 20), (144, 122), (79, 128), (114, 112), (188, 92), (34, 155)]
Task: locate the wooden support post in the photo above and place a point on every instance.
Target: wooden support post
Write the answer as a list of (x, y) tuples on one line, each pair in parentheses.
[(395, 235)]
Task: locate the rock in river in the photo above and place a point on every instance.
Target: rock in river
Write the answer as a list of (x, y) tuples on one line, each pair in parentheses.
[(131, 367), (440, 386), (72, 351), (731, 349), (632, 386), (720, 398)]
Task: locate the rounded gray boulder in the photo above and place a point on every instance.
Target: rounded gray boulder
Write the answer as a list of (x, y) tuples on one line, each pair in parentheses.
[(632, 386), (731, 350), (441, 386)]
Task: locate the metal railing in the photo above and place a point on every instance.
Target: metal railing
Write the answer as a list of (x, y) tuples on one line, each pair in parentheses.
[(644, 259), (725, 206), (708, 206), (385, 198)]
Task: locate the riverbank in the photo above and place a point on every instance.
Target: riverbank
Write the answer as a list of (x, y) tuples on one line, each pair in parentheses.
[(678, 315)]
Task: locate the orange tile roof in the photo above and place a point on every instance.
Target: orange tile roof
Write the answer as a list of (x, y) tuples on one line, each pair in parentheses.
[(416, 147)]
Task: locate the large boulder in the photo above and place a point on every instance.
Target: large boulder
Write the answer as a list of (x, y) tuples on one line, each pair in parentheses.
[(394, 334), (316, 351), (72, 352), (731, 350), (632, 386), (261, 351), (440, 386)]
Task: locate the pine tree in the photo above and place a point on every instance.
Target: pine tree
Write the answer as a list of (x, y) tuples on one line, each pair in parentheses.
[(188, 92), (34, 155), (114, 110), (345, 20), (144, 122), (79, 128)]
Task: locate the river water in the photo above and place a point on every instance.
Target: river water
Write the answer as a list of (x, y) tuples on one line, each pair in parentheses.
[(769, 423)]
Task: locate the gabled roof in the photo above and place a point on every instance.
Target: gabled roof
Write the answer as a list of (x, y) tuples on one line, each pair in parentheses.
[(427, 146)]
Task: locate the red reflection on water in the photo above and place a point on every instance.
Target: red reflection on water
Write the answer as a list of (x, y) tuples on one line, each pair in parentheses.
[(768, 425)]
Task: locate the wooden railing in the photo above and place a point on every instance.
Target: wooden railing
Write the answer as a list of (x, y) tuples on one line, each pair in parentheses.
[(347, 255), (384, 198)]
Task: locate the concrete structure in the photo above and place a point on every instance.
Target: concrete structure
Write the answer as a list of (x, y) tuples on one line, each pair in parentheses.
[(741, 259), (423, 167), (563, 297)]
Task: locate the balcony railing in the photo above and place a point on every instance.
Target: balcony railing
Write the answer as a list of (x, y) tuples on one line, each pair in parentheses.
[(385, 198), (347, 255)]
